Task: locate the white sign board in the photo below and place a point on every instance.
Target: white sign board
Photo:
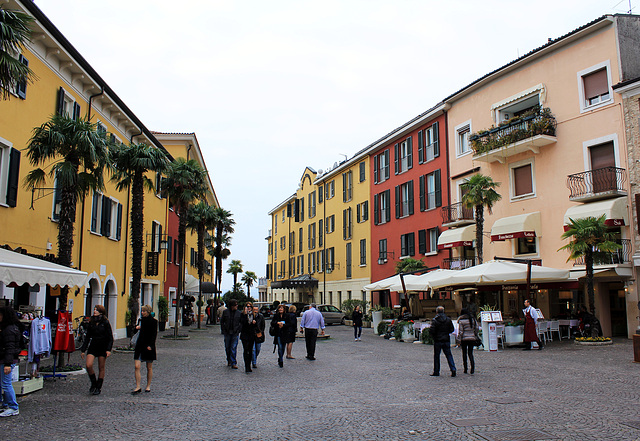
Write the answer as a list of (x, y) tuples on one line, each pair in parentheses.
[(493, 337)]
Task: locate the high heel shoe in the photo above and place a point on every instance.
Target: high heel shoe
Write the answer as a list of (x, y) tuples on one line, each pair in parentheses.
[(136, 392)]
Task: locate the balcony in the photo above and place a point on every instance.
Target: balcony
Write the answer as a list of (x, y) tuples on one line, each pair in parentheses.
[(528, 132), (623, 255), (459, 263), (455, 215), (602, 183)]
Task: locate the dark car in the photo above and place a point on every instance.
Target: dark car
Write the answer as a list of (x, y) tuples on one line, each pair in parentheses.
[(331, 314)]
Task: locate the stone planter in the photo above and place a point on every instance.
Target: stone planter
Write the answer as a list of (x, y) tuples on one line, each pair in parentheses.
[(366, 324), (377, 318), (348, 322), (513, 335)]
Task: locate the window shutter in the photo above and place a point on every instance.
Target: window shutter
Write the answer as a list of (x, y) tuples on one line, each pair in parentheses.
[(13, 178), (60, 102), (422, 241), (422, 191), (344, 224), (420, 146), (21, 89), (57, 200), (320, 232), (358, 213), (296, 210), (376, 209), (397, 201), (410, 196), (436, 138), (344, 187), (410, 152), (376, 165), (411, 237), (362, 172), (320, 194), (106, 216), (436, 178), (76, 111), (94, 212), (387, 195), (396, 158), (288, 210), (365, 210), (119, 224)]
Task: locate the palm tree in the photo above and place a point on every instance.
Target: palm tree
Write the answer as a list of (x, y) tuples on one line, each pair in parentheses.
[(224, 226), (590, 238), (185, 183), (76, 155), (479, 192), (235, 268), (14, 34), (408, 265), (248, 279), (131, 164), (200, 218)]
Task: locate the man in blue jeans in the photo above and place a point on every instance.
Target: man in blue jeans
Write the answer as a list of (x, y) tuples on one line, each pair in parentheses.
[(230, 325), (441, 327)]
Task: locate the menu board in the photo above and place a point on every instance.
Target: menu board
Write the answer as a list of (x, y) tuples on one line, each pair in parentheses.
[(490, 316)]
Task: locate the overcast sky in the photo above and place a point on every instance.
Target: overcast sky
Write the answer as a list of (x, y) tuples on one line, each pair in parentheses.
[(271, 86)]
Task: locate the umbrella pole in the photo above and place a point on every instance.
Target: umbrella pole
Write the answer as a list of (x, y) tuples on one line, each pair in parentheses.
[(404, 293)]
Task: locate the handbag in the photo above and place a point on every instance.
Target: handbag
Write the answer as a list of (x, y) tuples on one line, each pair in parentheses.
[(260, 337), (134, 339)]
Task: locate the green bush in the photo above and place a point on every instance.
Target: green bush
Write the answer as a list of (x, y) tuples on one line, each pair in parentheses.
[(382, 328), (397, 332), (350, 304), (425, 337), (163, 309)]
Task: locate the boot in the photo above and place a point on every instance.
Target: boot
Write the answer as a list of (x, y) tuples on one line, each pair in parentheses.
[(98, 388), (92, 377), (465, 367), (473, 367)]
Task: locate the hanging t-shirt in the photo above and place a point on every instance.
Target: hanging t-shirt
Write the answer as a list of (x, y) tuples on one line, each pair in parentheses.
[(64, 333), (40, 337)]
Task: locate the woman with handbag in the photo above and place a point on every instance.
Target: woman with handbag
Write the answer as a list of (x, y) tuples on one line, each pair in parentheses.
[(145, 347), (467, 337), (248, 332), (97, 344), (260, 337), (280, 328)]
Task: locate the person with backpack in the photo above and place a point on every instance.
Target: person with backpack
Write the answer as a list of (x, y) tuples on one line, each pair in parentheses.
[(467, 337), (10, 347)]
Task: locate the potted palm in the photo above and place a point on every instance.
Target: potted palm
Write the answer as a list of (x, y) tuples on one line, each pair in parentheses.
[(163, 312)]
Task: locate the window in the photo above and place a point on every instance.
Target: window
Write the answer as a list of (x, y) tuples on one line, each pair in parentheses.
[(9, 173), (101, 129), (67, 105), (329, 189), (275, 251), (347, 186), (176, 250), (331, 224), (283, 243), (462, 139), (347, 223), (382, 207), (106, 216), (348, 260), (159, 185), (594, 86), (403, 156), (382, 250), (404, 199), (298, 208), (193, 261), (522, 180), (330, 259), (320, 193), (289, 207), (156, 237), (381, 167), (363, 252), (428, 146), (300, 240), (526, 245), (428, 241), (300, 265), (282, 269), (312, 205), (312, 262), (312, 236), (407, 245), (275, 224), (430, 191), (363, 170), (170, 248), (292, 267), (362, 212), (21, 87), (292, 242), (320, 261), (320, 232)]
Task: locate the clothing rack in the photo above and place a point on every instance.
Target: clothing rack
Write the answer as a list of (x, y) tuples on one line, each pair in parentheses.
[(53, 374)]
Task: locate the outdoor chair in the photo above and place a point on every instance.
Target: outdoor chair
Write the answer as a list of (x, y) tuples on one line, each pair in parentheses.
[(500, 334), (554, 326), (542, 330)]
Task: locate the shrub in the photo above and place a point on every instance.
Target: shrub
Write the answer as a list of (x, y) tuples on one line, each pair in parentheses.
[(382, 328), (350, 304)]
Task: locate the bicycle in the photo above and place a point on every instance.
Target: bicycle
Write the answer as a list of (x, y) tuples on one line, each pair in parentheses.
[(80, 330)]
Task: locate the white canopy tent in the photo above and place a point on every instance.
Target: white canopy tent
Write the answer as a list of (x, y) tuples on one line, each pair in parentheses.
[(392, 283), (20, 269)]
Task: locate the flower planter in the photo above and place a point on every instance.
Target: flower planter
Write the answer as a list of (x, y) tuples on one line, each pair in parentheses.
[(594, 343), (366, 324), (513, 335)]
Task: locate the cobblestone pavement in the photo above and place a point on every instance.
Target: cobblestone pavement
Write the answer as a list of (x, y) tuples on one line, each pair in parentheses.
[(372, 389)]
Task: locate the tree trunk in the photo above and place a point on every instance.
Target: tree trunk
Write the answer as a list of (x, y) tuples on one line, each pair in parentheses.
[(182, 234), (218, 257), (201, 232), (66, 222), (479, 231), (137, 242)]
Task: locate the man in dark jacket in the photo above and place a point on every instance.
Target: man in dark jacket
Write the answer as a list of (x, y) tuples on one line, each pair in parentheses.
[(441, 327), (231, 325)]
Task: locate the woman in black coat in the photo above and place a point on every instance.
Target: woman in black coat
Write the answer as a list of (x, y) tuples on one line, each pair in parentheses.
[(145, 349), (10, 338), (293, 328), (248, 329), (356, 316), (97, 343), (280, 329)]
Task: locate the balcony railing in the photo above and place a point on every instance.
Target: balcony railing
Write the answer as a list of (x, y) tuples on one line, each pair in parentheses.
[(537, 126), (456, 214), (459, 263), (623, 255), (597, 184)]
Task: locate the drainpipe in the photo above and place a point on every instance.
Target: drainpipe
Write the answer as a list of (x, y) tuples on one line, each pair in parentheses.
[(91, 99), (188, 150), (324, 246), (134, 135)]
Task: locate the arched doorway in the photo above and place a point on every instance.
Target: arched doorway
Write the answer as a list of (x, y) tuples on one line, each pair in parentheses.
[(91, 296), (111, 301)]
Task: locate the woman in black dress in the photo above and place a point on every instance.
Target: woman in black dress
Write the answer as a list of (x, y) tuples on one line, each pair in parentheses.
[(145, 349), (280, 324), (293, 328), (98, 343)]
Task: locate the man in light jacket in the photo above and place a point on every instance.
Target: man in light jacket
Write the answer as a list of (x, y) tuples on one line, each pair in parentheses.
[(312, 319)]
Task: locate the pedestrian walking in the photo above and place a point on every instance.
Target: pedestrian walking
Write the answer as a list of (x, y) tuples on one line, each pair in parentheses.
[(260, 337), (248, 335), (97, 344), (530, 326), (10, 339), (293, 328), (312, 319), (279, 329), (441, 327), (467, 337), (220, 311), (356, 316), (209, 311), (230, 325), (145, 349)]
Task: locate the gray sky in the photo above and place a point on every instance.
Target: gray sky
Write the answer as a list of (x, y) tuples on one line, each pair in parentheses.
[(270, 87)]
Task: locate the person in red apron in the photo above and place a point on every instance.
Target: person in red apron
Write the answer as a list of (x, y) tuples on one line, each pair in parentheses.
[(530, 321)]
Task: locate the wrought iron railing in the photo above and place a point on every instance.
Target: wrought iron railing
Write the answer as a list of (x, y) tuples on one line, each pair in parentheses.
[(623, 255), (593, 182), (459, 263), (455, 213), (536, 122)]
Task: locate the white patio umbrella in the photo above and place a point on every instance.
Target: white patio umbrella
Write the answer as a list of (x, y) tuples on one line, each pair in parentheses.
[(439, 277), (393, 283), (192, 284)]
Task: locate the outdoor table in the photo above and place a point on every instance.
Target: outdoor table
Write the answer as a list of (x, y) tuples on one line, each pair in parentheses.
[(573, 323)]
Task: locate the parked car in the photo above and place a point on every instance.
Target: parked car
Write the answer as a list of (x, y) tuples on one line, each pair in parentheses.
[(331, 314), (266, 308), (300, 306)]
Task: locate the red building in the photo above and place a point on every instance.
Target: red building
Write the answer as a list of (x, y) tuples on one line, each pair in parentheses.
[(408, 191)]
